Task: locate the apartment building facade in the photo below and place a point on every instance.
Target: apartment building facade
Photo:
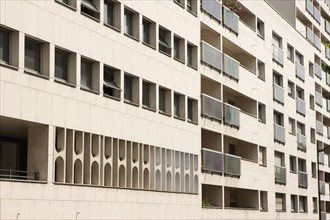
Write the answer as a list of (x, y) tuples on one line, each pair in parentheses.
[(184, 109)]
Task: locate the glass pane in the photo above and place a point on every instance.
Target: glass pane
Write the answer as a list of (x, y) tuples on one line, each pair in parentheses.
[(86, 74), (146, 90), (32, 55), (61, 65), (108, 13), (146, 28), (128, 18), (4, 45), (128, 88), (176, 105), (162, 93)]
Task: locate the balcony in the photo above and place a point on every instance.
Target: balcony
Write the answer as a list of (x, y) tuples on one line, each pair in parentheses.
[(310, 35), (212, 161), (232, 165), (211, 55), (280, 175), (231, 67), (279, 133), (230, 20), (300, 71), (301, 106), (318, 70), (211, 107), (317, 42), (213, 8), (231, 115), (317, 15), (310, 7), (302, 179), (278, 55), (318, 99), (278, 93), (239, 199), (301, 142), (319, 127), (322, 187)]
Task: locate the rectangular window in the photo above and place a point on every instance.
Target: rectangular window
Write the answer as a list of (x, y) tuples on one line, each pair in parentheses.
[(303, 204), (112, 14), (86, 74), (290, 52), (4, 45), (262, 156), (279, 159), (131, 89), (300, 93), (192, 110), (164, 41), (312, 135), (70, 3), (301, 128), (33, 55), (261, 28), (313, 170), (278, 118), (292, 126), (191, 55), (179, 48), (261, 112), (293, 164), (311, 102), (131, 23), (294, 204), (291, 89), (280, 202), (315, 205), (146, 31), (180, 2), (149, 95), (61, 64), (91, 8), (301, 165), (261, 70), (164, 101), (111, 84), (263, 201), (149, 32), (179, 106)]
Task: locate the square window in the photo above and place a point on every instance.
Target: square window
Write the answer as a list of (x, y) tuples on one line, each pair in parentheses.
[(131, 24), (112, 14), (89, 75), (164, 101), (191, 55), (179, 48), (131, 89), (111, 83), (4, 45), (149, 95), (91, 8), (165, 41), (294, 204), (280, 202), (192, 110), (179, 106)]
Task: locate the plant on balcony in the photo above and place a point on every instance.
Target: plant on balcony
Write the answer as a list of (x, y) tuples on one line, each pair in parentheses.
[(233, 5), (325, 67), (206, 202)]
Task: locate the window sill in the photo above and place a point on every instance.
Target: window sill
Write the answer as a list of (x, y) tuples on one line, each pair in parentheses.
[(91, 17), (148, 108), (280, 210), (194, 13), (263, 210), (89, 90), (111, 97), (131, 103), (132, 37), (182, 6), (193, 67), (8, 65), (149, 45), (34, 73), (164, 113), (180, 118), (261, 121), (66, 5), (262, 37), (192, 122), (61, 81), (112, 27), (293, 172), (179, 60), (262, 165), (292, 133), (166, 54)]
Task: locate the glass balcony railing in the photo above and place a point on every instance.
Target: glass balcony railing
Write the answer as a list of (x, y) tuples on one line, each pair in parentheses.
[(319, 99), (230, 20), (278, 55), (317, 42), (301, 142), (232, 115), (328, 79), (310, 35), (231, 67), (327, 26), (212, 161), (319, 127), (232, 165), (301, 106), (280, 174), (213, 8), (279, 133), (211, 107), (211, 55), (322, 187), (328, 104), (300, 71), (328, 132), (323, 216), (321, 157), (302, 179), (318, 70), (317, 15), (327, 52), (278, 93), (310, 7)]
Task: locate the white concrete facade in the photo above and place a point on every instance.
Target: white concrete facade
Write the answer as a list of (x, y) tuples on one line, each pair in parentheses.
[(185, 109)]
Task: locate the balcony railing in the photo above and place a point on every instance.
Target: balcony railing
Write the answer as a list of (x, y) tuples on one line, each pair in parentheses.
[(319, 127), (232, 165), (310, 35), (232, 115), (317, 15), (328, 132), (278, 93), (211, 107), (212, 161), (328, 79), (317, 42), (211, 55), (300, 71), (319, 99), (278, 55), (310, 7), (323, 216), (230, 20), (327, 26), (322, 187), (328, 104), (280, 175), (231, 67), (327, 52), (19, 175), (301, 142), (302, 179), (213, 7), (318, 70), (301, 106), (279, 133)]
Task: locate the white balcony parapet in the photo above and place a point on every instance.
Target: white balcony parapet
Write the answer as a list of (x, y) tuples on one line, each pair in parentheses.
[(301, 106), (211, 107), (278, 55), (231, 67), (211, 55), (318, 70), (278, 93), (213, 8), (232, 165), (301, 142), (280, 174), (300, 71), (231, 115), (230, 20), (279, 133)]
